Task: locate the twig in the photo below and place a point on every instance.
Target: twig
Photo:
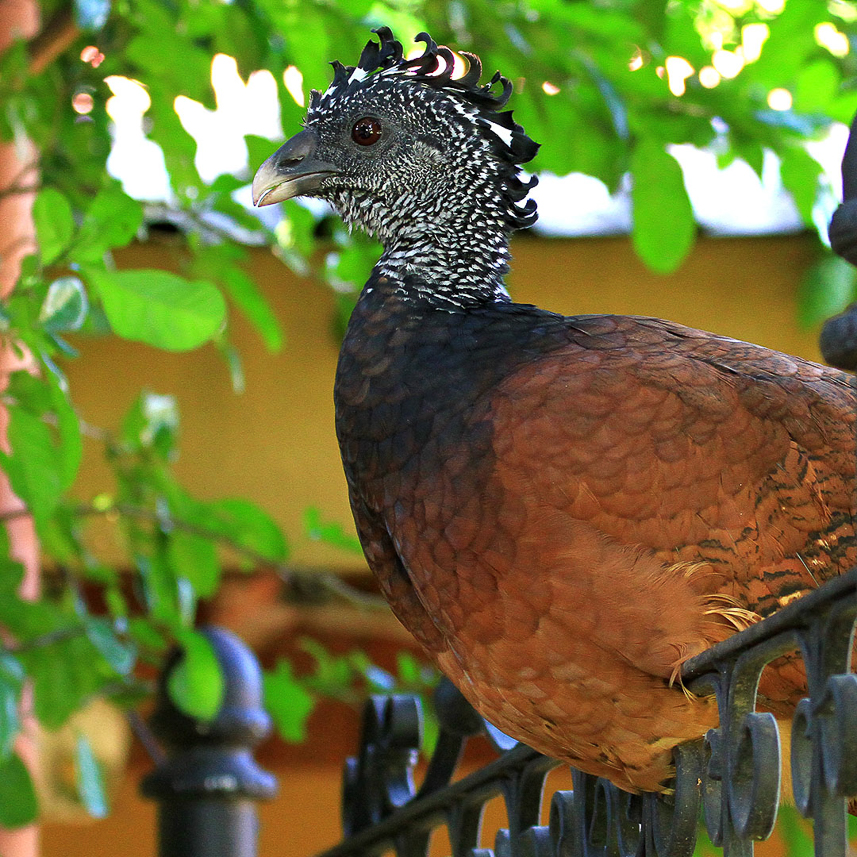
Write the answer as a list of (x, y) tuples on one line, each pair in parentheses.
[(325, 580), (32, 166), (96, 433), (195, 218), (145, 736), (61, 635), (53, 39), (17, 186), (329, 581), (15, 190)]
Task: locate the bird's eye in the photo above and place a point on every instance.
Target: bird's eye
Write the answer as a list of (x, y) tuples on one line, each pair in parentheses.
[(366, 131)]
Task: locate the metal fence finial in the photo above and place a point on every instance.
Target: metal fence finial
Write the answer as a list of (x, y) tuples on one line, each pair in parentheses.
[(209, 783)]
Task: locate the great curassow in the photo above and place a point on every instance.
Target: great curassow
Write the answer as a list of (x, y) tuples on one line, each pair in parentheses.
[(561, 510)]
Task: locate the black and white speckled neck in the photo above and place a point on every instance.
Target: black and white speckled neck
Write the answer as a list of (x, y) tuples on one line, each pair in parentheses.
[(451, 245), (441, 189)]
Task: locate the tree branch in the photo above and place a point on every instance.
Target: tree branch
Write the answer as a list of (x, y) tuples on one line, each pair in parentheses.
[(297, 581), (53, 39), (61, 635), (19, 189), (330, 582), (145, 736), (18, 186)]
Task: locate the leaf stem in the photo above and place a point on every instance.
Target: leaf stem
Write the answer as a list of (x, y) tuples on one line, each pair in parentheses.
[(296, 580), (145, 736), (60, 635)]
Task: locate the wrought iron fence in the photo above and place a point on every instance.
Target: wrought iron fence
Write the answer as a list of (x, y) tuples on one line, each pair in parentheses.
[(733, 775), (208, 785)]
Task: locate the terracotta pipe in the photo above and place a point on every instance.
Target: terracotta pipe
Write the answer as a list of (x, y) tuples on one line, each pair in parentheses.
[(18, 18)]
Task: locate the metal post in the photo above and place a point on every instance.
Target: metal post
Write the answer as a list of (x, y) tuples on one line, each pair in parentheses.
[(208, 785), (838, 339)]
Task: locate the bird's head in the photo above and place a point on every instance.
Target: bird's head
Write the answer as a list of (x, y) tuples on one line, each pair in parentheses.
[(395, 144)]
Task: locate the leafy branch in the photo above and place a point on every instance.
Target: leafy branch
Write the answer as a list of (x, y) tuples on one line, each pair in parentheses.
[(43, 641), (298, 581)]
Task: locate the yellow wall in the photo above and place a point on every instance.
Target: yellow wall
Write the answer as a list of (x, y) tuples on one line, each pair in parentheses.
[(275, 443)]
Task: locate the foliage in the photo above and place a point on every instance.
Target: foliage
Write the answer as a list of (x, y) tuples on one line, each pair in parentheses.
[(347, 678), (603, 119)]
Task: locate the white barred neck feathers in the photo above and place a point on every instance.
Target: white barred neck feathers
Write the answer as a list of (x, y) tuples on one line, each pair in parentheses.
[(429, 164)]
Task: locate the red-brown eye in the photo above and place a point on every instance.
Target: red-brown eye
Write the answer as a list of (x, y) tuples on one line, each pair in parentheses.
[(366, 131)]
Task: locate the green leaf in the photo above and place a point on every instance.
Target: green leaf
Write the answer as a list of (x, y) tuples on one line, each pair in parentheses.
[(408, 668), (196, 684), (64, 675), (332, 673), (664, 228), (651, 13), (35, 465), (120, 655), (147, 635), (311, 50), (18, 803), (330, 533), (816, 86), (116, 602), (852, 828), (159, 33), (195, 559), (259, 149), (288, 702), (11, 681), (112, 220), (295, 235), (430, 729), (54, 224), (178, 146), (796, 835), (227, 183), (236, 521), (22, 619), (249, 526), (69, 445), (242, 36), (65, 306), (800, 172), (159, 308), (90, 780), (351, 267), (160, 590), (45, 458), (826, 289), (252, 303), (29, 392)]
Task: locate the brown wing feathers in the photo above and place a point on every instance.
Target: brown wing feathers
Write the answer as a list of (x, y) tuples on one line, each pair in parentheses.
[(646, 490)]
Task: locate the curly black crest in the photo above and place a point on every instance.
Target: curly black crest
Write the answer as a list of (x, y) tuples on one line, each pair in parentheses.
[(434, 68)]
